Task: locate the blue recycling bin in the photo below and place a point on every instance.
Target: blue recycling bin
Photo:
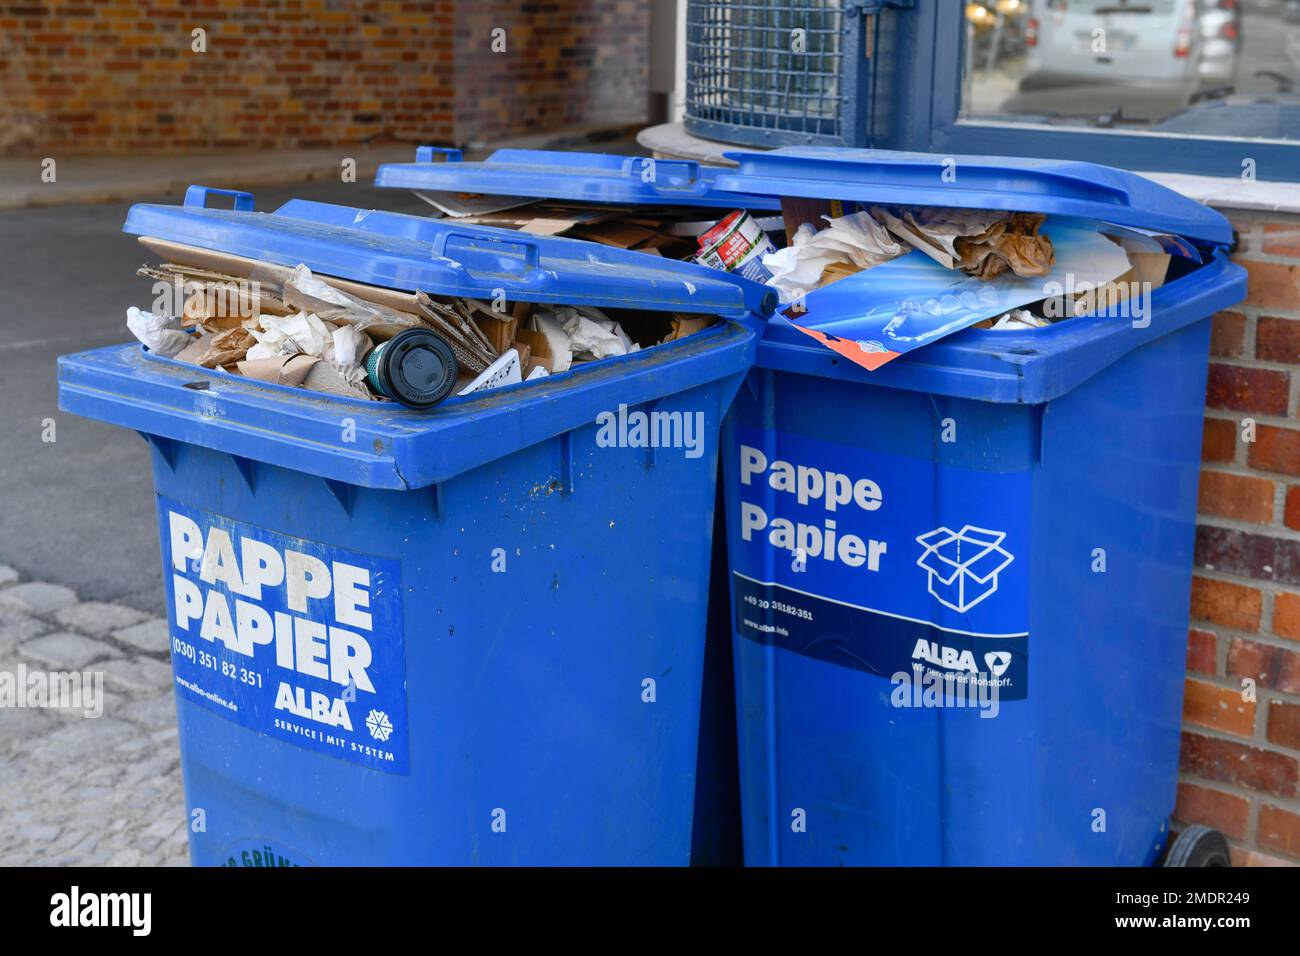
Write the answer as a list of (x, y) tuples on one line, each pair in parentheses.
[(1003, 517), (468, 635), (1000, 516)]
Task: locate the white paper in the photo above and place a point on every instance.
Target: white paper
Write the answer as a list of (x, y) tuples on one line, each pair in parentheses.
[(504, 371), (856, 238), (457, 205), (161, 333), (349, 346), (302, 333), (1017, 320), (592, 339), (306, 283), (556, 340)]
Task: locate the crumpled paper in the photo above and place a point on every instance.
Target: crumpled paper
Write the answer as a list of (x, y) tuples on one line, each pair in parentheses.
[(856, 240), (160, 333), (303, 280), (982, 243), (580, 333), (1017, 320), (219, 350), (301, 333), (344, 381), (291, 370), (594, 336), (349, 346)]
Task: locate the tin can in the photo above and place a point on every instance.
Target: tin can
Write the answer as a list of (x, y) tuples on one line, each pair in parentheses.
[(736, 244)]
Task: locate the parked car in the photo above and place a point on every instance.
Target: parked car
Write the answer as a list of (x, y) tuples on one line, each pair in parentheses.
[(1220, 43), (1152, 43)]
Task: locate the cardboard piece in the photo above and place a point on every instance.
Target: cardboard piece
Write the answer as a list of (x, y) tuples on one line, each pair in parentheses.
[(684, 325), (620, 235), (546, 226), (345, 383), (1150, 267), (242, 267), (557, 342), (797, 210), (289, 370), (538, 346)]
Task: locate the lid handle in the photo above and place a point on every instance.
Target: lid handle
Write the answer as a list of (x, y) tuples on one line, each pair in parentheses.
[(666, 176), (426, 154), (198, 196), (493, 257)]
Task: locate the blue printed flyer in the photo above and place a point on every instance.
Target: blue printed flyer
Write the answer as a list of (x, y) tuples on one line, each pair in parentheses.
[(874, 316)]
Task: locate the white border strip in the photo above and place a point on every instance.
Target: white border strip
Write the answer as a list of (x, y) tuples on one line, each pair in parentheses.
[(872, 610)]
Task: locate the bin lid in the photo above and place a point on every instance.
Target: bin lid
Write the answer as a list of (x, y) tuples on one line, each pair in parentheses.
[(581, 177), (416, 253), (1055, 186)]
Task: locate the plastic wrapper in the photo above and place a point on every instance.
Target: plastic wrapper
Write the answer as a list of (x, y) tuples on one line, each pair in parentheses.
[(160, 333)]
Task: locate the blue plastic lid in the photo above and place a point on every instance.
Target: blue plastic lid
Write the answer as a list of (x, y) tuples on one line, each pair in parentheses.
[(1054, 186), (581, 177), (442, 258)]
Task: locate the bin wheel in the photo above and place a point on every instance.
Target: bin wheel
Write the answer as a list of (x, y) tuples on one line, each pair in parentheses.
[(1199, 846)]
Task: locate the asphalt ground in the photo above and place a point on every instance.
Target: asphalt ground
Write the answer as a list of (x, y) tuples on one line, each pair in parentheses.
[(79, 510)]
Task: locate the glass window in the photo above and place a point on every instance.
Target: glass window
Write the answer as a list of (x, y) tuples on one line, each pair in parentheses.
[(1205, 68)]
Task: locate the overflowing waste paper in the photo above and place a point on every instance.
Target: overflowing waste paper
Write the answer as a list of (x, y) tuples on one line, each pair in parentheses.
[(289, 327), (873, 282)]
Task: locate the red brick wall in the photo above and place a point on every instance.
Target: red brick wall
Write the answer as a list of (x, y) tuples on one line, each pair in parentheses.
[(1241, 757), (120, 76), (565, 64)]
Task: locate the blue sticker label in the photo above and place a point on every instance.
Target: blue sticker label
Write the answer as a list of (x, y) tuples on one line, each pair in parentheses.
[(882, 563), (294, 639)]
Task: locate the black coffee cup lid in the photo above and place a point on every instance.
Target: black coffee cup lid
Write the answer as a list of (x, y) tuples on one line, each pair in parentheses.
[(417, 368)]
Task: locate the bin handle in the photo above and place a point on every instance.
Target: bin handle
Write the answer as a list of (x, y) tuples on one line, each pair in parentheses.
[(426, 154), (197, 196), (532, 253), (688, 168)]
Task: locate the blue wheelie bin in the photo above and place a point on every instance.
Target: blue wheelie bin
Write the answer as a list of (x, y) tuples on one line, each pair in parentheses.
[(467, 635), (1003, 517), (628, 181), (1018, 529)]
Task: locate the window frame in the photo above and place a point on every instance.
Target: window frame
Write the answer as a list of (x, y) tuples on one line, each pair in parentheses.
[(921, 102)]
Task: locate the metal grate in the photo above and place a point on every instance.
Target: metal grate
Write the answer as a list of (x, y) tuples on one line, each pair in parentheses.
[(750, 78)]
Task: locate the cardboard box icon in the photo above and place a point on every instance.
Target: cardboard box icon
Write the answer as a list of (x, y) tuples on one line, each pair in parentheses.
[(963, 565)]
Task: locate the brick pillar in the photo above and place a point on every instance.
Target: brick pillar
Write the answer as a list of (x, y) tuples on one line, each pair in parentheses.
[(1241, 756)]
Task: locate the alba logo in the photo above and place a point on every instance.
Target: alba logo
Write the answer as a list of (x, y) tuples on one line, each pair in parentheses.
[(380, 727), (997, 662)]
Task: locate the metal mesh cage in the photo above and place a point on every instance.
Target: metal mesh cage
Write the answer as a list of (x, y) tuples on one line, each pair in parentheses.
[(768, 73)]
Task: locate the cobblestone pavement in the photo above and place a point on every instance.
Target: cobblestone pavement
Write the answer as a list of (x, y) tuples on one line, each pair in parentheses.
[(77, 789)]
